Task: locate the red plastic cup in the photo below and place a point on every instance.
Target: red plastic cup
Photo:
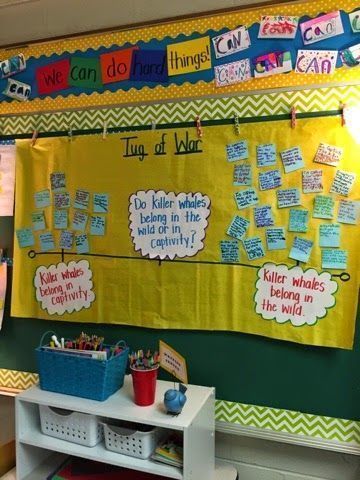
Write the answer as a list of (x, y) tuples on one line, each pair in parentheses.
[(144, 383)]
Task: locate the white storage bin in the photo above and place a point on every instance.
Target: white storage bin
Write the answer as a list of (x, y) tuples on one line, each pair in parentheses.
[(75, 427), (129, 441)]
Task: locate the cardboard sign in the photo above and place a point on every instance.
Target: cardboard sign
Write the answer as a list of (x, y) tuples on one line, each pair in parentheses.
[(272, 63), (53, 77), (278, 26), (190, 56), (316, 61), (173, 362), (85, 73), (322, 27), (232, 73), (116, 66), (231, 42), (12, 65), (149, 66)]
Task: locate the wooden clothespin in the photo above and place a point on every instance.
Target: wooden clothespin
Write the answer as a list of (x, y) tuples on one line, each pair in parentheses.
[(153, 124), (343, 114), (293, 117), (104, 132), (34, 137), (198, 127), (236, 124), (70, 133)]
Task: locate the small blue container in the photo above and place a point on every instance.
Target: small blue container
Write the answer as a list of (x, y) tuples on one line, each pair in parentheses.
[(82, 377)]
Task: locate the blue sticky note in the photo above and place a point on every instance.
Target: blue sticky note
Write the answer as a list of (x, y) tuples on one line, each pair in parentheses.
[(263, 216), (97, 226), (38, 221), (349, 212), (246, 198), (242, 175), (334, 259), (289, 197), (266, 155), (275, 238), (229, 251), (301, 249), (323, 207), (237, 151), (46, 241), (292, 159), (79, 221), (101, 203), (81, 200), (82, 243), (329, 234), (66, 239), (25, 237), (149, 66), (238, 227), (269, 180), (254, 248), (42, 199), (60, 219), (298, 220)]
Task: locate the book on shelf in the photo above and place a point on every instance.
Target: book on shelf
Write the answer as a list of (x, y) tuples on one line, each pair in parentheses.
[(170, 451)]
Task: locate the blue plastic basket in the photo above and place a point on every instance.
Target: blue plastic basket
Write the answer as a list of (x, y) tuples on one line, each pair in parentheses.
[(81, 377)]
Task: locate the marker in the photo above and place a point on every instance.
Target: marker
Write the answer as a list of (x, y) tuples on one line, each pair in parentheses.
[(62, 342), (56, 341)]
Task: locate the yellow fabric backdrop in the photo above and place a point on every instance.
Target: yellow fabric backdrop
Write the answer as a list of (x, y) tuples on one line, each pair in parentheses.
[(183, 295)]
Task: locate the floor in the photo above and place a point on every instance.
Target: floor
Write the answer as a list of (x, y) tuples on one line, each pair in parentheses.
[(10, 475)]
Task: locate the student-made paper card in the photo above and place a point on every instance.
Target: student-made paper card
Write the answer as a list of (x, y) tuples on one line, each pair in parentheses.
[(82, 243), (275, 238), (60, 219), (231, 42), (190, 56), (62, 200), (242, 175), (316, 61), (79, 221), (349, 212), (329, 235), (263, 216), (46, 241), (25, 237), (254, 248), (278, 26), (101, 203), (334, 259), (323, 207), (42, 199), (298, 220), (350, 57), (231, 73), (57, 181), (292, 159), (322, 27), (343, 182), (266, 155), (312, 181), (238, 227), (38, 221), (328, 154), (66, 239), (272, 64), (301, 249), (81, 200), (269, 180), (289, 197), (354, 18), (97, 226), (237, 151), (229, 251), (246, 198)]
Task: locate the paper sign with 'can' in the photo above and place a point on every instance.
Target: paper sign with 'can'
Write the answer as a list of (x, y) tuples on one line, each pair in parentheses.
[(17, 90), (272, 63), (322, 27), (232, 73), (316, 61), (278, 26), (173, 362), (188, 57), (231, 42), (12, 65)]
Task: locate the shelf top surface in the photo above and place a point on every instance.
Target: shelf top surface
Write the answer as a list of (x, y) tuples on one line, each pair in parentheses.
[(121, 404)]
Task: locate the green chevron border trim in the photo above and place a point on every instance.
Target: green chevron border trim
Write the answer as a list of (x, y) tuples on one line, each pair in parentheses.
[(287, 421), (217, 108), (16, 379)]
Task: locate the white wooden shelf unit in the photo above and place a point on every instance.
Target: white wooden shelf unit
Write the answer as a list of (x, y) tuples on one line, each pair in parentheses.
[(38, 454)]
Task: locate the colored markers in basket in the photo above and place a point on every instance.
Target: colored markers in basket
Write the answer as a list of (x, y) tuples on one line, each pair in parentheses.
[(144, 361)]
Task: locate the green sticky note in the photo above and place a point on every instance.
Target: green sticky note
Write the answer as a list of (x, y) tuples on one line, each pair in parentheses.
[(85, 73)]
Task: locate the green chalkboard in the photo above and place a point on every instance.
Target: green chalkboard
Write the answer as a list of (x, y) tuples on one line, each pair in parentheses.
[(243, 368)]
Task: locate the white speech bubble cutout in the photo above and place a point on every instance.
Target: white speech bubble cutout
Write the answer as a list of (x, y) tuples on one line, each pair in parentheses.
[(166, 225), (64, 287), (292, 294)]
